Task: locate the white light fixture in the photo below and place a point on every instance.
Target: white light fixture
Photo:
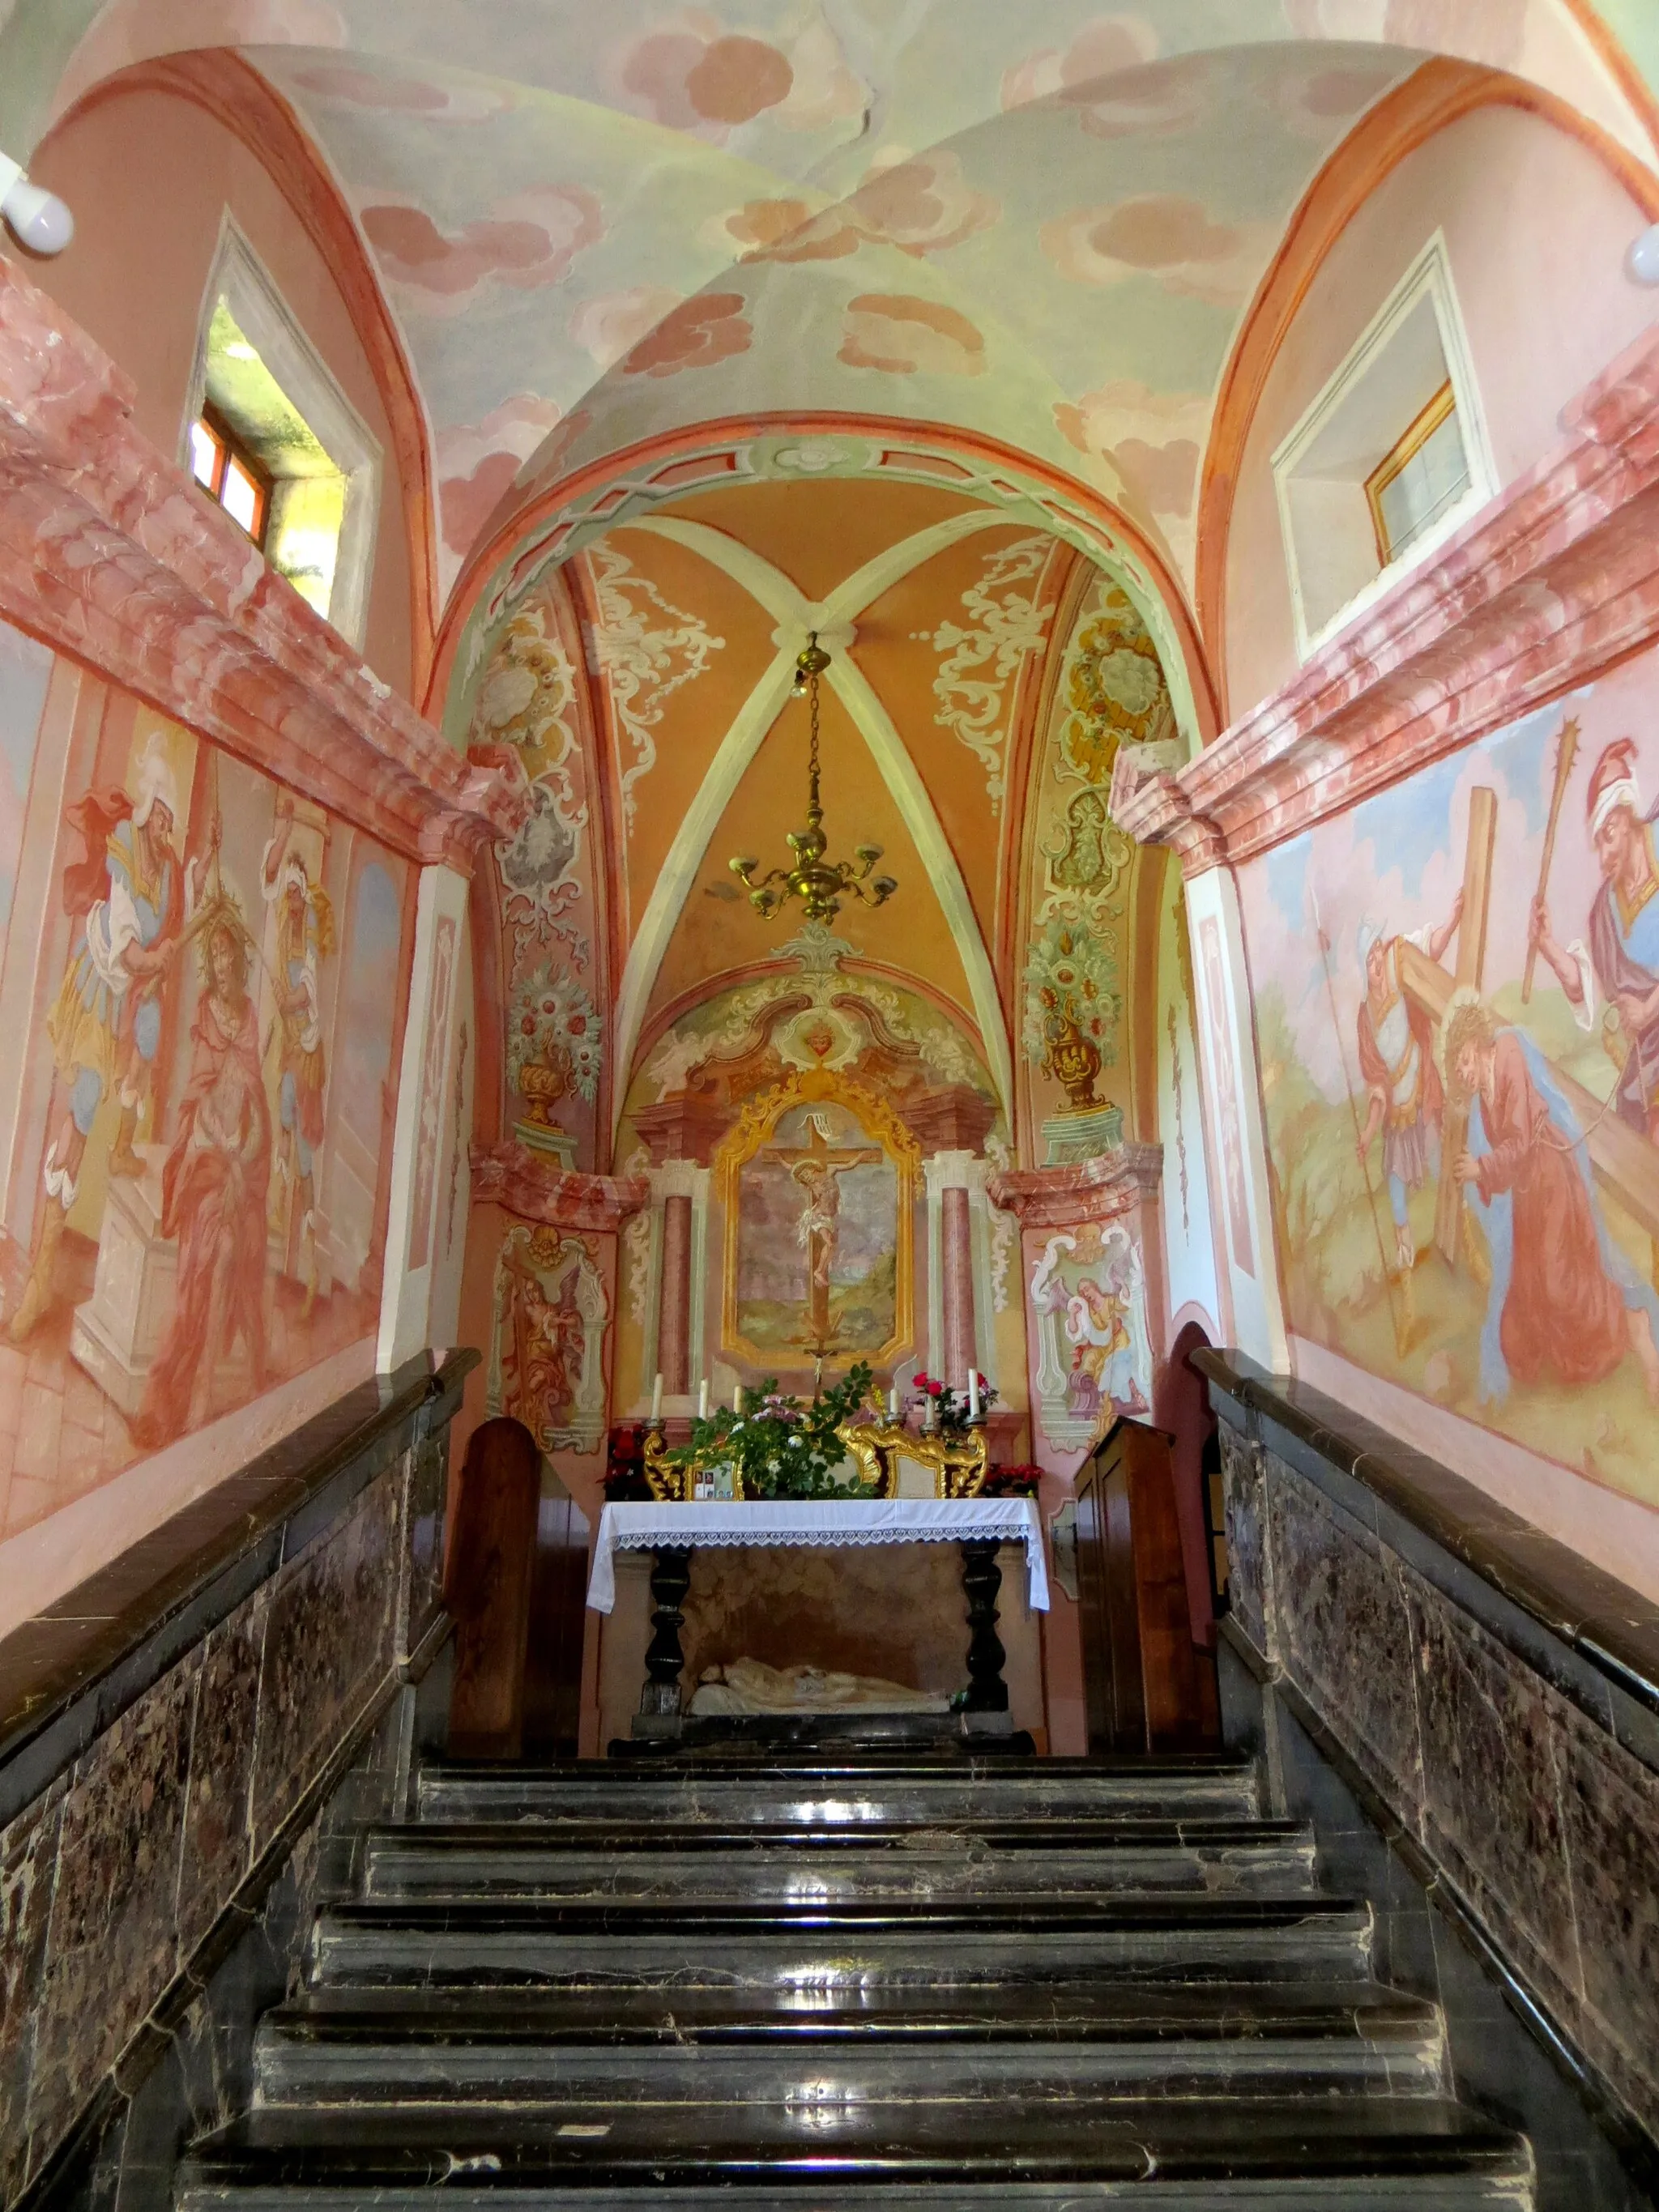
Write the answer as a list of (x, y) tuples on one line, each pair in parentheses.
[(1642, 261), (38, 219)]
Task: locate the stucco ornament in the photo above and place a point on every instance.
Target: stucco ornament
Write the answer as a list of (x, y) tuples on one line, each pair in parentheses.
[(643, 661), (1115, 690), (1006, 622)]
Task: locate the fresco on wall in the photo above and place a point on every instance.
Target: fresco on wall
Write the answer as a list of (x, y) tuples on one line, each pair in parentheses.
[(1111, 692), (202, 977), (1094, 1355), (547, 1349), (1457, 1001), (528, 704)]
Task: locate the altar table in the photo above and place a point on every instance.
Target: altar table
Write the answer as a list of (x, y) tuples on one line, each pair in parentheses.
[(675, 1534), (654, 1526)]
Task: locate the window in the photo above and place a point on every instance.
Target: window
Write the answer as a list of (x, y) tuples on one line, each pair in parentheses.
[(1388, 461), (222, 465), (273, 439), (1425, 475)]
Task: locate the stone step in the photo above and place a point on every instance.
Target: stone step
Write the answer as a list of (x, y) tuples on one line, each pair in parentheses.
[(1348, 2154), (819, 1795), (788, 1865), (716, 2047), (643, 1943)]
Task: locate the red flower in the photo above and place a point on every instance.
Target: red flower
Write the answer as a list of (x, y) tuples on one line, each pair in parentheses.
[(578, 1025), (935, 1390), (528, 1025)]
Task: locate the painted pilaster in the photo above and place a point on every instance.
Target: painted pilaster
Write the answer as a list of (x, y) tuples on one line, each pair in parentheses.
[(413, 1229)]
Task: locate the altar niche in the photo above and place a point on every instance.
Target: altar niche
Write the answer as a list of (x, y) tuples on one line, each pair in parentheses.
[(817, 1179)]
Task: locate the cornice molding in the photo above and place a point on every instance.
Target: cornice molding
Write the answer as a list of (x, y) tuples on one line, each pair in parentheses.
[(109, 553), (1100, 1189), (509, 1177), (1548, 586)]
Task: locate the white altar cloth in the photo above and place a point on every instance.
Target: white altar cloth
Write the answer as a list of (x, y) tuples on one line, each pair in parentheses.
[(646, 1526)]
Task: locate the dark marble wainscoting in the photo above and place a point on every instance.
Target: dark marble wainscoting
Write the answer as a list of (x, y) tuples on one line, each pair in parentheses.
[(186, 1742), (1485, 1707)]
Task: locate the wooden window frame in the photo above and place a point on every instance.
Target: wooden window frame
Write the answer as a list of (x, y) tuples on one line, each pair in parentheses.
[(233, 448), (1399, 458)]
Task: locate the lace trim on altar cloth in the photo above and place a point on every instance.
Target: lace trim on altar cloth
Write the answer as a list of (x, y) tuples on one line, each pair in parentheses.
[(982, 1532), (732, 1526)]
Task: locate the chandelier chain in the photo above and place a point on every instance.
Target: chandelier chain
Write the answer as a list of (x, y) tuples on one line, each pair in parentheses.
[(817, 882)]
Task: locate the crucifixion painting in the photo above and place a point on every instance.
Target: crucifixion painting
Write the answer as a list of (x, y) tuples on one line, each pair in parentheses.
[(817, 1244), (818, 1167)]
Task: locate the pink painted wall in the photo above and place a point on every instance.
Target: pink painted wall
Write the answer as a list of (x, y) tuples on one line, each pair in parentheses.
[(1536, 229), (148, 176)]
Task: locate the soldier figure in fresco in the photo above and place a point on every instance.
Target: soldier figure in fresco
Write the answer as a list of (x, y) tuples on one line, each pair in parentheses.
[(132, 904), (1397, 1059), (1623, 954), (305, 936)]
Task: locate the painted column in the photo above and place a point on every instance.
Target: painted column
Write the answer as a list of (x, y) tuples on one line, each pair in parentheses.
[(673, 1330), (956, 1269), (423, 1085)]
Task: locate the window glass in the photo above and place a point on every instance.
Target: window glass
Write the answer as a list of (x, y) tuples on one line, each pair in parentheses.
[(240, 497)]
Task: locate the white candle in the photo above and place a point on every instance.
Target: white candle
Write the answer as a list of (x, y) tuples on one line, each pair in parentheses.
[(702, 1399), (973, 1394), (656, 1400), (892, 1405), (737, 1397)]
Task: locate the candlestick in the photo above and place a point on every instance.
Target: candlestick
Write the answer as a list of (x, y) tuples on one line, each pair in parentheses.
[(702, 1399), (656, 1403), (973, 1394)]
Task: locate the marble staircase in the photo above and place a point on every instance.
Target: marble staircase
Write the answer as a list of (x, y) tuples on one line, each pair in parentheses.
[(886, 1983)]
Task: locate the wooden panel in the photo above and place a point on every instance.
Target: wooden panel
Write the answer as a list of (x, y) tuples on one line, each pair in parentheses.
[(553, 1658), (1146, 1685), (487, 1585)]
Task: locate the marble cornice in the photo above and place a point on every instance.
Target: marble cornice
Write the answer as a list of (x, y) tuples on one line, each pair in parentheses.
[(1087, 1190), (1546, 587), (508, 1175), (108, 552)]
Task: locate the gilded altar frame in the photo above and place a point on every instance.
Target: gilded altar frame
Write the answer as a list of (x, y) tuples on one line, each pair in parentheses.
[(959, 1462), (805, 1086)]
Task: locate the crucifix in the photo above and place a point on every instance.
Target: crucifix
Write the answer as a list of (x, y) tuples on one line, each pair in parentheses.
[(818, 1166)]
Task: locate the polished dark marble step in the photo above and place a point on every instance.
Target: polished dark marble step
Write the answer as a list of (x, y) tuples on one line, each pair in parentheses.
[(717, 2046), (1058, 1859), (819, 1793), (1349, 2152), (647, 1942)]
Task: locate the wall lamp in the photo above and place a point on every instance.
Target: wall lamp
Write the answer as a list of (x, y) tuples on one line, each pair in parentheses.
[(37, 219), (1642, 261)]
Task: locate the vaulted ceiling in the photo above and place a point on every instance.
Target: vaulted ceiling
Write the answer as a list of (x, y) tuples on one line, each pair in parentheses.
[(1038, 223), (905, 321)]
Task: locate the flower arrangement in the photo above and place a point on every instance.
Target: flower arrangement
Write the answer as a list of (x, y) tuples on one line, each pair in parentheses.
[(781, 1446), (623, 1478), (1019, 1480), (555, 1025), (947, 1410)]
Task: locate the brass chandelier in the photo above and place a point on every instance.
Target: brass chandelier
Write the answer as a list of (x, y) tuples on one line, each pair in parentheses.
[(819, 885)]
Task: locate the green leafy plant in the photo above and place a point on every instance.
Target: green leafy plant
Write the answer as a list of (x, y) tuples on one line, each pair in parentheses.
[(782, 1446)]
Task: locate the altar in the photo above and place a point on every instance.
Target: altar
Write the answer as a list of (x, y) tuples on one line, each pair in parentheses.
[(937, 1598)]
